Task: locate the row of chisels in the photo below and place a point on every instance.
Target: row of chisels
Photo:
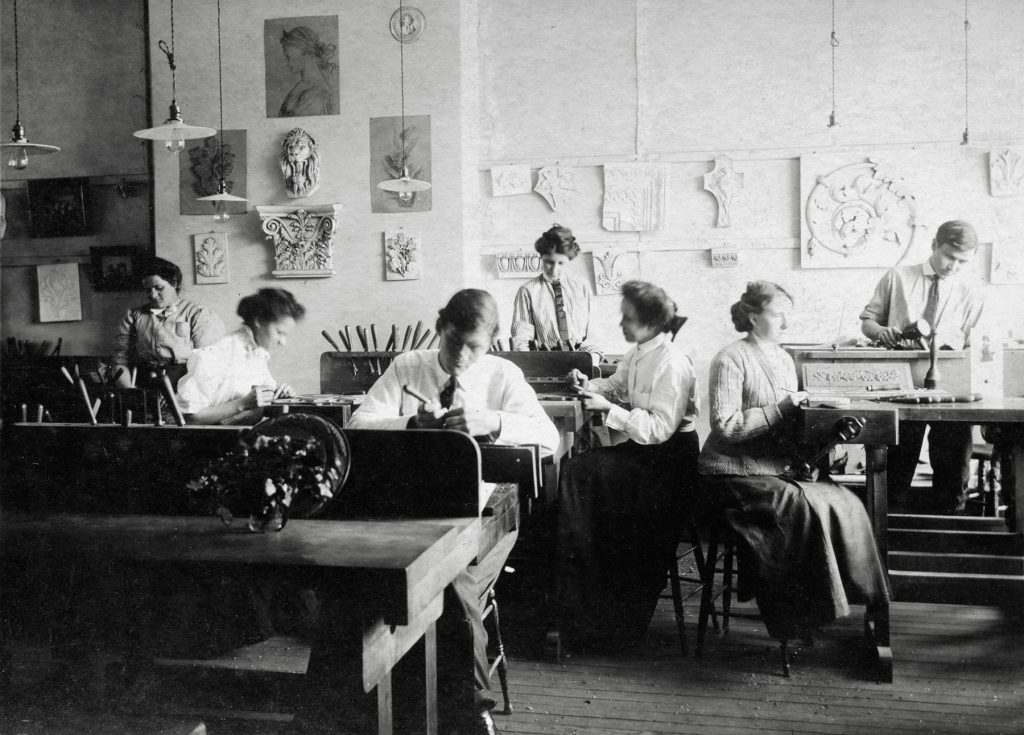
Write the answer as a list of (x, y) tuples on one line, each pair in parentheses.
[(414, 339)]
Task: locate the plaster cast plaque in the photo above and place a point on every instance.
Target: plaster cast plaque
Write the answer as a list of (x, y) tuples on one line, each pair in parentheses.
[(401, 255), (1006, 172), (516, 264), (724, 182), (634, 197), (300, 163), (612, 268), (303, 239), (210, 251), (554, 184), (508, 180), (860, 215)]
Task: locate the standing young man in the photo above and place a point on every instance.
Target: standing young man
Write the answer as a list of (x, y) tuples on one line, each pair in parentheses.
[(935, 292)]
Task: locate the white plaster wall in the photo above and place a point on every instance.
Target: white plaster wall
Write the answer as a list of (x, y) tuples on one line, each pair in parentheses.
[(684, 82), (368, 58)]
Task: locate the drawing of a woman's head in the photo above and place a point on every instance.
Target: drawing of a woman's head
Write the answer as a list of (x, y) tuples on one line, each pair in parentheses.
[(301, 45)]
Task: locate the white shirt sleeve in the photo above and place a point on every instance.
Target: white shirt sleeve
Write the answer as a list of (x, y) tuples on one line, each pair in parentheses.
[(657, 413)]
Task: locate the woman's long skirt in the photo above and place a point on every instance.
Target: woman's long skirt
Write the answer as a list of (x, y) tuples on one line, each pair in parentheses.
[(618, 525), (807, 549)]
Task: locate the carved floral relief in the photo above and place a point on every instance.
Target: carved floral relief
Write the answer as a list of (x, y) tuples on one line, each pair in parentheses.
[(555, 183), (509, 180), (612, 268), (401, 256), (634, 197), (724, 182), (1006, 172), (210, 250), (303, 239)]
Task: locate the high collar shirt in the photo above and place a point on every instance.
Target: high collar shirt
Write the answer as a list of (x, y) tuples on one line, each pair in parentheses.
[(656, 381), (748, 430), (902, 294), (166, 337), (491, 383), (224, 371), (534, 317)]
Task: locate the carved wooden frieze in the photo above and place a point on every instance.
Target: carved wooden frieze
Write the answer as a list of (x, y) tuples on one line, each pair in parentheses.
[(612, 268), (856, 375), (724, 182), (859, 215), (634, 197), (1006, 172), (516, 264), (555, 183), (303, 239)]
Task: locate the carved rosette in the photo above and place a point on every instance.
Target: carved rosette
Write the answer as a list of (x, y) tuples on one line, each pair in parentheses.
[(303, 239), (860, 210)]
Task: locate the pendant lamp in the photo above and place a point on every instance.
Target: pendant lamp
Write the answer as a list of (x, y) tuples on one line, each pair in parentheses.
[(17, 149), (222, 198), (174, 132), (405, 186)]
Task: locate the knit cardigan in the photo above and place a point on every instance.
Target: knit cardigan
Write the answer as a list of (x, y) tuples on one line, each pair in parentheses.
[(749, 434)]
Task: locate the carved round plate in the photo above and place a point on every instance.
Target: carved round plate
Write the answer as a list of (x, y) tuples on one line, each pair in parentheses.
[(407, 24)]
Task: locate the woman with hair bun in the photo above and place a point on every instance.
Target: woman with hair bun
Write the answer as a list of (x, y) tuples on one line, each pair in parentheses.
[(806, 549), (223, 380), (552, 311), (618, 506)]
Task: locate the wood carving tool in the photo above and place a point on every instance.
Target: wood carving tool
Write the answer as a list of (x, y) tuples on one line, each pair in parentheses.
[(361, 333), (133, 374), (96, 407), (415, 394), (179, 419), (88, 404), (126, 420), (348, 338), (394, 337), (344, 341), (67, 375), (373, 337), (416, 333), (39, 413), (408, 333), (117, 374), (330, 340), (60, 343), (422, 340), (78, 374), (24, 413), (390, 343), (48, 416), (436, 339)]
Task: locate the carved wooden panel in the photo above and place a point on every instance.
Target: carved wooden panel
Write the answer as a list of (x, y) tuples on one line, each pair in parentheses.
[(634, 197), (860, 375), (612, 268), (516, 264), (724, 183), (859, 215), (210, 251), (555, 183), (1006, 172), (303, 239)]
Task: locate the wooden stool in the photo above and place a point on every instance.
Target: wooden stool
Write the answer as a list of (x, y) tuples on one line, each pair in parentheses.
[(719, 532), (692, 549), (500, 662)]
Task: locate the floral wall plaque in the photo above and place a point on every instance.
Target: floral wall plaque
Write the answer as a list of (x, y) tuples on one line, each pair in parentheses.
[(508, 180), (59, 293), (724, 182), (555, 183), (859, 215), (303, 239), (634, 197), (210, 250), (200, 167), (1006, 172), (612, 268), (401, 255)]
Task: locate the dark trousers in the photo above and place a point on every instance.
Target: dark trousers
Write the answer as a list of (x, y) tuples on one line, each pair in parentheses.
[(949, 452)]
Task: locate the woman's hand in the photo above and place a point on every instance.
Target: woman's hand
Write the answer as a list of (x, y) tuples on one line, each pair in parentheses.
[(576, 379), (473, 421), (595, 401), (284, 390), (793, 401)]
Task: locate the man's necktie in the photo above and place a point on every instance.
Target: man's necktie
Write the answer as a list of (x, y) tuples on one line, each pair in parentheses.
[(931, 307), (563, 323), (448, 392)]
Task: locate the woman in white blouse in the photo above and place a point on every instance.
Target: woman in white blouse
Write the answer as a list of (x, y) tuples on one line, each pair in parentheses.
[(617, 513), (223, 380)]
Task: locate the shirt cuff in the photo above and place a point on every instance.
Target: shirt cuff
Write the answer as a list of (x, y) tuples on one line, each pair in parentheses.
[(617, 418)]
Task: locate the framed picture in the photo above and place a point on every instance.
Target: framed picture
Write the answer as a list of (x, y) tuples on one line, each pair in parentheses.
[(113, 268), (58, 207)]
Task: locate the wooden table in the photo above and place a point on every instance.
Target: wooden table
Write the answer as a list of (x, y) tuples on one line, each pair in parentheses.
[(409, 562)]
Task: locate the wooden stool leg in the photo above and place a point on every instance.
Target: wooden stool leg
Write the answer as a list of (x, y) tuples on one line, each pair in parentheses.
[(706, 594), (784, 650), (502, 660), (698, 555), (677, 600), (727, 562)]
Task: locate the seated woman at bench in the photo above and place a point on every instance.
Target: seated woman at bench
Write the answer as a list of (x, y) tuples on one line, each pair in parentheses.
[(805, 548), (487, 397), (224, 380), (618, 513)]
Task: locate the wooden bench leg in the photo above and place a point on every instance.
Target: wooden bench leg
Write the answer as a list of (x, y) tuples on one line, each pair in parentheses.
[(384, 697), (430, 676)]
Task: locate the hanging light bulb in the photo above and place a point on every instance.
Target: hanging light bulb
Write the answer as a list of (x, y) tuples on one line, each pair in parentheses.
[(222, 198), (405, 186), (17, 149), (174, 132)]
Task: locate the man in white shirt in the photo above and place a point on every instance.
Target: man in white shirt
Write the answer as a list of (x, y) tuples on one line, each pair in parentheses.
[(488, 398), (952, 307)]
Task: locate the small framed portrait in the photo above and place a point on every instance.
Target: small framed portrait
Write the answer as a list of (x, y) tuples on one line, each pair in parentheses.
[(58, 207), (113, 268)]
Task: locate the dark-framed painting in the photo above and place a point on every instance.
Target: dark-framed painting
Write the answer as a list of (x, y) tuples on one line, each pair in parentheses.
[(113, 267), (301, 66), (58, 207)]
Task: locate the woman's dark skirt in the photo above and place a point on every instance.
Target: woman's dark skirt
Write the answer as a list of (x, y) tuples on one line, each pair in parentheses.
[(806, 549), (618, 525)]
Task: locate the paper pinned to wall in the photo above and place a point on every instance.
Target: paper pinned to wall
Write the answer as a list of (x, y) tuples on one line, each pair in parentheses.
[(60, 298), (509, 180)]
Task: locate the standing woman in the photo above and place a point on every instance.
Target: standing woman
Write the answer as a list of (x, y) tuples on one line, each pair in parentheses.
[(223, 380), (618, 506), (805, 548), (163, 332), (553, 309)]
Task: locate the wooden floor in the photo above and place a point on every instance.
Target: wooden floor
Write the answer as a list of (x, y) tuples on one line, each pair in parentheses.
[(958, 669)]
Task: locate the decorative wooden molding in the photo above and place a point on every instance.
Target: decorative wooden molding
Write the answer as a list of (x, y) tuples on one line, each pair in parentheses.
[(612, 268), (634, 197), (303, 239), (1006, 172), (516, 264), (858, 375), (724, 258), (859, 215), (724, 182)]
